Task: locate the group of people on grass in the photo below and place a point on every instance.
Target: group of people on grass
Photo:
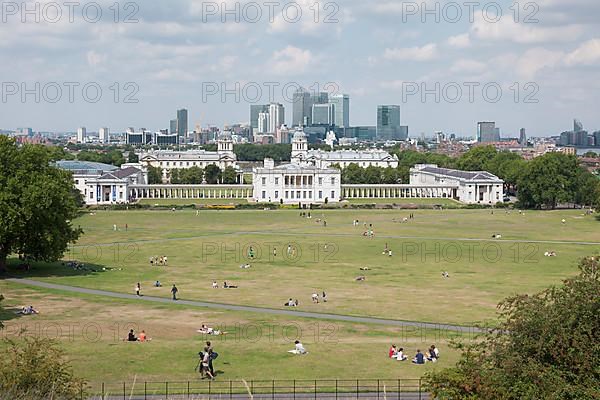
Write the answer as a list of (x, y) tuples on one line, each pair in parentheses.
[(29, 310), (432, 354), (156, 260), (315, 297), (205, 362), (215, 285), (142, 337)]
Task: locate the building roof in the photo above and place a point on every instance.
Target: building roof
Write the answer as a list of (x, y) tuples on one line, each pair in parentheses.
[(192, 155), (465, 175), (296, 168), (352, 155), (85, 167), (120, 174)]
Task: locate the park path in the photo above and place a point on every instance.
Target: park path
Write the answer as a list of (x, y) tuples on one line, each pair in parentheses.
[(263, 310)]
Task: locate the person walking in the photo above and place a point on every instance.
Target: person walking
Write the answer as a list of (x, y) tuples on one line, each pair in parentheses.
[(138, 288), (212, 355), (174, 291)]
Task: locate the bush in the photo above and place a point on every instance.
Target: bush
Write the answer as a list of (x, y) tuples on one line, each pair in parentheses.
[(35, 368)]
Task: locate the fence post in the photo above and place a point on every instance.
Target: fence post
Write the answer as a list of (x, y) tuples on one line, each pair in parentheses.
[(166, 390), (315, 389), (102, 390), (209, 389), (294, 389), (419, 388), (145, 390), (377, 388), (230, 389), (399, 389), (124, 395), (357, 388), (273, 389), (336, 388), (188, 389)]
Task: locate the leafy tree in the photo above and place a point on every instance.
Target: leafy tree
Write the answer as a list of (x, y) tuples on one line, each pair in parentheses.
[(476, 158), (353, 174), (154, 175), (175, 176), (36, 204), (591, 154), (58, 153), (391, 176), (229, 176), (373, 175), (548, 180), (212, 174), (587, 188), (132, 157), (35, 368), (258, 152), (546, 347), (193, 175)]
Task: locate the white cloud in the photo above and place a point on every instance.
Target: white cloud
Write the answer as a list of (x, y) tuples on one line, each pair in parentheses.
[(536, 59), (291, 60), (460, 41), (468, 66), (586, 54), (424, 53), (95, 59)]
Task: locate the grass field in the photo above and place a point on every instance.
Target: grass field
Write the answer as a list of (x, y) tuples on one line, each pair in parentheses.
[(211, 246)]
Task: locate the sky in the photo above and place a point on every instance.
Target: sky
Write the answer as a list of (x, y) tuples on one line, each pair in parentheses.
[(533, 65)]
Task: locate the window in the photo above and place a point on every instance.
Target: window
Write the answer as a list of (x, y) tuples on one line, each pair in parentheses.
[(298, 194), (310, 180), (333, 194), (291, 194), (320, 194), (333, 181), (187, 163), (91, 195), (276, 182), (264, 181), (304, 194), (287, 180), (286, 194), (77, 181), (120, 195), (277, 194), (181, 163), (320, 181), (310, 194), (167, 163), (264, 194)]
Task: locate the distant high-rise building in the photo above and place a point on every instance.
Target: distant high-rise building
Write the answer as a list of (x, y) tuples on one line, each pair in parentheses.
[(173, 126), (581, 138), (263, 123), (276, 116), (104, 135), (341, 103), (255, 110), (404, 132), (81, 134), (577, 126), (597, 138), (182, 122), (486, 132), (388, 123), (497, 134), (522, 137), (301, 108), (322, 114)]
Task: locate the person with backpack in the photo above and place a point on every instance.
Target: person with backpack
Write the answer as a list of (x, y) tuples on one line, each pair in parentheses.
[(213, 356)]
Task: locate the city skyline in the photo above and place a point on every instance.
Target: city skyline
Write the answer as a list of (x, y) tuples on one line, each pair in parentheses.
[(375, 53)]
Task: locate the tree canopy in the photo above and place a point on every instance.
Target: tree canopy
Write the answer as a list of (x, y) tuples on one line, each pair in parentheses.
[(546, 347), (37, 204)]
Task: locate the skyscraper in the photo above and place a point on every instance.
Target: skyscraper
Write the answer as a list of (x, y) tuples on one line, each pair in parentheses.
[(173, 126), (255, 110), (577, 126), (263, 122), (388, 123), (522, 137), (182, 123), (486, 132), (341, 103), (81, 134), (322, 114), (276, 116), (301, 104), (104, 135)]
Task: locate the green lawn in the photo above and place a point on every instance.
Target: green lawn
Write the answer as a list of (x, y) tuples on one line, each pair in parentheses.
[(90, 329), (211, 246)]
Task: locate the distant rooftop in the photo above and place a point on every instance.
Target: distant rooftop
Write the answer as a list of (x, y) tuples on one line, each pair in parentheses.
[(85, 167), (467, 175)]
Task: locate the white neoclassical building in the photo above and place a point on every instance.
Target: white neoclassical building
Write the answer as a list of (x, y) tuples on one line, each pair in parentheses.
[(103, 184), (471, 187), (296, 183), (325, 159), (168, 160)]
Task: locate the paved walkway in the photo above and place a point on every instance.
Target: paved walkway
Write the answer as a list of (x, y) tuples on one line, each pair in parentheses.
[(264, 310)]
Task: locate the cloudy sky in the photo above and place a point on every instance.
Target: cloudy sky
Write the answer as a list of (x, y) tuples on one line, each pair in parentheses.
[(537, 65)]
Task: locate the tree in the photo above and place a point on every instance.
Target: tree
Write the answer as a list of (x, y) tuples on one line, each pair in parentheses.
[(476, 158), (35, 368), (352, 174), (546, 347), (193, 175), (229, 176), (212, 174), (37, 204), (548, 180), (132, 157), (391, 176), (154, 175), (1, 324)]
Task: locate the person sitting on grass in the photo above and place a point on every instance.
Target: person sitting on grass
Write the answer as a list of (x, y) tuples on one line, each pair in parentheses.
[(131, 336), (157, 284), (226, 286), (419, 358), (361, 278), (28, 311), (143, 337), (434, 353), (400, 356), (299, 348), (290, 303), (393, 351)]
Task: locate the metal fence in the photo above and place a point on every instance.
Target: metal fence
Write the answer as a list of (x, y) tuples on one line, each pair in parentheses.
[(388, 389)]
